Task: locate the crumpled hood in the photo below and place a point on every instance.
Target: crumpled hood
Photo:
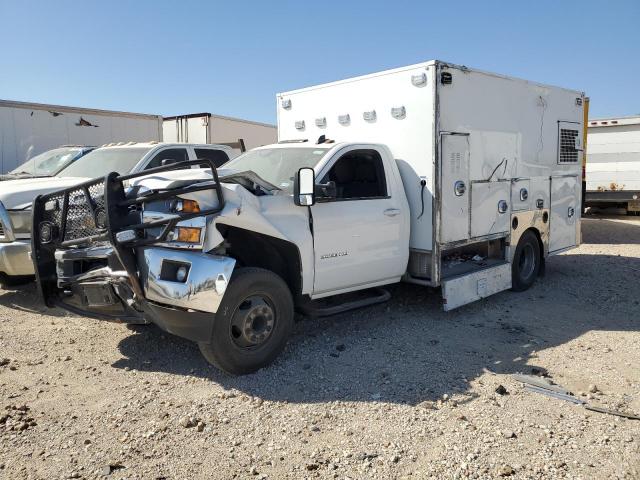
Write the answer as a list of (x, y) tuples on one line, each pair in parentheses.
[(15, 194)]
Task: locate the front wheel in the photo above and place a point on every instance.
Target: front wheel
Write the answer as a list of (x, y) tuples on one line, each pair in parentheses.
[(526, 262), (252, 324)]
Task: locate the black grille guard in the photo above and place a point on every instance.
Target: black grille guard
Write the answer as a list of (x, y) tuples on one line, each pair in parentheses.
[(94, 212)]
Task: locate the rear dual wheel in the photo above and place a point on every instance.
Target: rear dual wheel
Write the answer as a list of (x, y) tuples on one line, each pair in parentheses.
[(527, 259), (252, 324)]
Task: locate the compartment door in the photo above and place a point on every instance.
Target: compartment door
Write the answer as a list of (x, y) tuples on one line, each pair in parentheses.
[(454, 187), (490, 211), (564, 213)]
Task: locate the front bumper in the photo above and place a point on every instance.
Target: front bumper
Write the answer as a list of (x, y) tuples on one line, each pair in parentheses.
[(15, 258), (103, 290)]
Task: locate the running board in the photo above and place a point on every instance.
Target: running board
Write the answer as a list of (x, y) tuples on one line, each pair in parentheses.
[(464, 289), (377, 295)]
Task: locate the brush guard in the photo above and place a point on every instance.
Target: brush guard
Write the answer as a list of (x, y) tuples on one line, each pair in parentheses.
[(90, 215)]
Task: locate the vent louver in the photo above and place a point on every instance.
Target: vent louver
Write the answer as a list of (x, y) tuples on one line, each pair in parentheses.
[(568, 152)]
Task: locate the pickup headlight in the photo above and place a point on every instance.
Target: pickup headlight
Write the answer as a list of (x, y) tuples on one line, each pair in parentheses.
[(20, 221), (186, 234)]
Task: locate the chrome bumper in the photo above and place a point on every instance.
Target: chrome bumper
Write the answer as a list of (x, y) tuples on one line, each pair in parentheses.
[(15, 258), (204, 287)]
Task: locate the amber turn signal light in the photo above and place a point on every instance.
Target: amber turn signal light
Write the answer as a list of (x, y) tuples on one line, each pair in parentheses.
[(188, 234)]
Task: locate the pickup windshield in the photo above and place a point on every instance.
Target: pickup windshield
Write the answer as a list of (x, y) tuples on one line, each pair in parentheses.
[(48, 163), (277, 166), (102, 161)]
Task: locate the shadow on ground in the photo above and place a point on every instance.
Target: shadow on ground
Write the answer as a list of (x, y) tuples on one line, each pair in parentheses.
[(22, 298), (409, 350), (598, 230)]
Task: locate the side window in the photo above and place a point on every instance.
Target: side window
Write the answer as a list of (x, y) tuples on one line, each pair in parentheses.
[(358, 174), (218, 157), (175, 154)]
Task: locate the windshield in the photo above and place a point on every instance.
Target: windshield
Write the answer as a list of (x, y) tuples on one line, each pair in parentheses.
[(102, 161), (49, 162), (277, 165)]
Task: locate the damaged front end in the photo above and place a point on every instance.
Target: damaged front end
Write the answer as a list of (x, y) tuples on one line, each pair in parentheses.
[(115, 249)]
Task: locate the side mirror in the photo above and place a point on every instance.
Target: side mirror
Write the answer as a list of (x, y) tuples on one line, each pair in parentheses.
[(168, 161), (304, 187)]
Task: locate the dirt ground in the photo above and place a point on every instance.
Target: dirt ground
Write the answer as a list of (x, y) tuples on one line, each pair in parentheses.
[(400, 390)]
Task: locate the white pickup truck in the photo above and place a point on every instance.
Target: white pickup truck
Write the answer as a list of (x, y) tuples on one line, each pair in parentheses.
[(433, 174), (16, 195)]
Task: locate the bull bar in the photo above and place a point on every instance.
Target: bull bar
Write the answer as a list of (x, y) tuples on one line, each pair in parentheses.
[(74, 244)]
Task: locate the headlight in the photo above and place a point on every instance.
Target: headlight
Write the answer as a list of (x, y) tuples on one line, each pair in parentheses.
[(185, 206), (20, 221)]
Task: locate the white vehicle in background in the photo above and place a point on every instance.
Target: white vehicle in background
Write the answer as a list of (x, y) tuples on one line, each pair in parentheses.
[(49, 163), (613, 163), (29, 129), (434, 174), (242, 135), (16, 196)]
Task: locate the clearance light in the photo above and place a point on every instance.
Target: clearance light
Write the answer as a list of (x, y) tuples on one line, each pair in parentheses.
[(187, 234), (186, 206), (344, 119), (369, 116), (300, 125), (419, 80), (286, 103), (398, 112)]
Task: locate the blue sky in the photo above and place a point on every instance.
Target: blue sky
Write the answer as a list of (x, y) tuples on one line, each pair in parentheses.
[(230, 58)]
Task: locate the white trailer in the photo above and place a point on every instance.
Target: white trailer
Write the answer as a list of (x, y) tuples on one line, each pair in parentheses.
[(28, 129), (613, 163), (434, 174), (239, 134)]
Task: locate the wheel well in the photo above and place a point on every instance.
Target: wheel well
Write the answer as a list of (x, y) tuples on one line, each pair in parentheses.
[(251, 249), (536, 232)]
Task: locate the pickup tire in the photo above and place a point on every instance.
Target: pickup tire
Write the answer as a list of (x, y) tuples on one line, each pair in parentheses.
[(252, 324), (526, 262)]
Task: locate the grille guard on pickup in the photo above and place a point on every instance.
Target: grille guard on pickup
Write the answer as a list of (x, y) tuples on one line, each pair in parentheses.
[(95, 211)]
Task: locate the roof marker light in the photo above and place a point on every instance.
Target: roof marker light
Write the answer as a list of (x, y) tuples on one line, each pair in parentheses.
[(300, 125), (419, 80), (399, 112), (321, 122), (369, 116), (344, 119), (286, 103)]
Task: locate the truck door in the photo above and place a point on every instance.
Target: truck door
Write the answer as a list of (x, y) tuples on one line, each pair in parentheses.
[(361, 236), (454, 187), (564, 212)]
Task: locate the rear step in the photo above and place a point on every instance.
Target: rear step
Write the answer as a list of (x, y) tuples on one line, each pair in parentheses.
[(324, 307)]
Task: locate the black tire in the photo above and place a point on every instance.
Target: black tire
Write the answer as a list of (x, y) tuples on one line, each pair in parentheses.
[(526, 262), (253, 323)]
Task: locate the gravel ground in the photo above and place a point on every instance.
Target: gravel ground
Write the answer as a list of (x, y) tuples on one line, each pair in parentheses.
[(400, 390)]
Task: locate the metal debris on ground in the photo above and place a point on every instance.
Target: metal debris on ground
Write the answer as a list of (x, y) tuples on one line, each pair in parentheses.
[(548, 388)]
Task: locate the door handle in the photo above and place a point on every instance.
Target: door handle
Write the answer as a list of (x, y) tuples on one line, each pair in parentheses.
[(392, 212)]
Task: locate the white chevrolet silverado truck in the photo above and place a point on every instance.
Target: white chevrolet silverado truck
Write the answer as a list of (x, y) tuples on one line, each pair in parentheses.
[(433, 174), (16, 195)]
